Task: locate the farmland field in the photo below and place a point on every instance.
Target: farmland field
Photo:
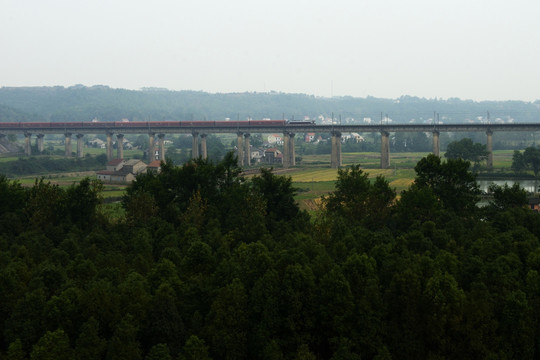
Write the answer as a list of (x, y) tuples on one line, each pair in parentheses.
[(312, 175)]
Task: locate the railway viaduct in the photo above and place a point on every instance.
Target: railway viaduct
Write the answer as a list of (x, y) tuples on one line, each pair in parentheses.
[(243, 129)]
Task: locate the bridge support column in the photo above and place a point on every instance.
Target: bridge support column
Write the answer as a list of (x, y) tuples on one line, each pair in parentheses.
[(68, 144), (120, 146), (240, 149), (247, 150), (80, 145), (109, 147), (286, 150), (335, 156), (195, 145), (436, 147), (161, 140), (39, 143), (489, 146), (151, 147), (292, 153), (385, 150), (27, 144), (204, 149)]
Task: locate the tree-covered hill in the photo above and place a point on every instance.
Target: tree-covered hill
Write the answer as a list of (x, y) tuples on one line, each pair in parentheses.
[(10, 114), (80, 103)]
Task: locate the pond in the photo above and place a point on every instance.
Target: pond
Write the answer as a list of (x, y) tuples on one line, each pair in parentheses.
[(531, 186)]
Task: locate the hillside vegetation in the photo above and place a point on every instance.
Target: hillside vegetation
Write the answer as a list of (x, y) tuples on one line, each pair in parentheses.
[(80, 103)]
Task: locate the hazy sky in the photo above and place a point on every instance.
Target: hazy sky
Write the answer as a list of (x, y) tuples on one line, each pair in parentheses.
[(471, 49)]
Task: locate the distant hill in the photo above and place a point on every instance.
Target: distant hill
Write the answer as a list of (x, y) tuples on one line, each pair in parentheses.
[(81, 103), (10, 114)]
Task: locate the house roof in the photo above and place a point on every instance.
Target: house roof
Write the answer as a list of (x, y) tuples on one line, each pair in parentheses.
[(154, 164), (133, 162), (115, 162), (105, 172)]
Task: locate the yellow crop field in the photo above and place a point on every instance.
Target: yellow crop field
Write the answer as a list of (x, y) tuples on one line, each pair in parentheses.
[(312, 175), (401, 183)]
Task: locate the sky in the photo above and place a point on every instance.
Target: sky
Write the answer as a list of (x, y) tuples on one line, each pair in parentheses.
[(468, 49)]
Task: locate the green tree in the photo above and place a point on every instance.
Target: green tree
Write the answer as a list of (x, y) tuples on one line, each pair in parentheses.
[(505, 197), (531, 156), (164, 324), (278, 193), (52, 346), (123, 344), (228, 326), (518, 162), (357, 200), (159, 352), (89, 344), (451, 182), (467, 150), (195, 349), (15, 351), (82, 201)]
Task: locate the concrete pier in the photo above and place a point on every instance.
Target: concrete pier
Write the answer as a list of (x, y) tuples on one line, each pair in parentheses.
[(292, 153), (68, 144), (161, 141), (195, 145), (39, 143), (120, 146), (240, 148), (27, 144), (109, 146), (80, 144), (204, 149), (286, 151), (151, 147), (489, 146), (385, 150), (247, 150), (436, 146), (335, 156)]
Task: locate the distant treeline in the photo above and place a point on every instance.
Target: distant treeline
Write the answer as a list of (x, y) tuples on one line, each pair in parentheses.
[(80, 103), (46, 165)]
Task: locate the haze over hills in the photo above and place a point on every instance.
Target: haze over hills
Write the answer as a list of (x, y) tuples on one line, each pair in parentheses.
[(81, 103)]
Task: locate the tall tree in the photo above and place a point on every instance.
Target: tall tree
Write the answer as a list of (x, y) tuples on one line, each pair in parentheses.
[(451, 182), (531, 156), (466, 149), (357, 200), (52, 346), (518, 162)]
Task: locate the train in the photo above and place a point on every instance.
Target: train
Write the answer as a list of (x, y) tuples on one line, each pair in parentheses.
[(152, 124)]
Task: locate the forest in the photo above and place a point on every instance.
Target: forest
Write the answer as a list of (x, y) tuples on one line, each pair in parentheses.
[(206, 263), (82, 103)]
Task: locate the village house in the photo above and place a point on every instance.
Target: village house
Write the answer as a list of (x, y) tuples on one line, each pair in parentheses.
[(275, 139), (97, 143), (154, 166), (121, 171), (257, 155), (309, 137), (273, 156)]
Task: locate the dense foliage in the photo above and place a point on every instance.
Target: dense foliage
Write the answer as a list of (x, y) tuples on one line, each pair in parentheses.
[(209, 264), (466, 149)]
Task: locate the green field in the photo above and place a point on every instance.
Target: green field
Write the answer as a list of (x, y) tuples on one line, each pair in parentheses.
[(312, 176)]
